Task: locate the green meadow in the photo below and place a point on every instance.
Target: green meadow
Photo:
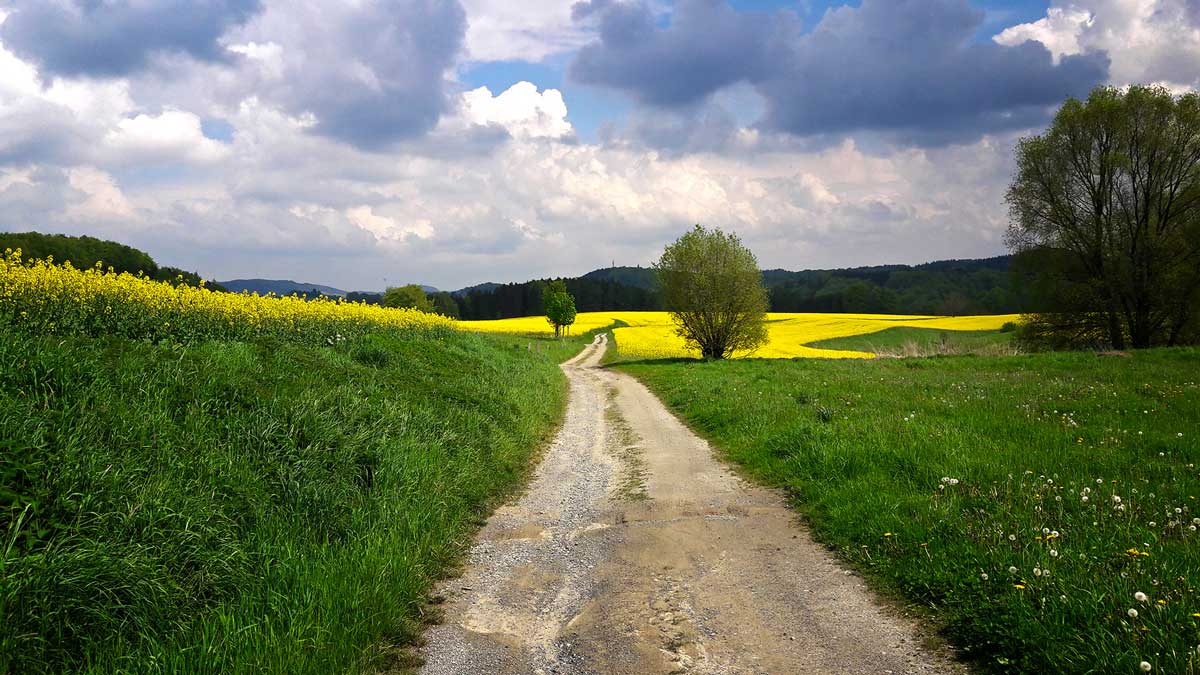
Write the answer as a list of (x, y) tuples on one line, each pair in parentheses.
[(1042, 508), (249, 507)]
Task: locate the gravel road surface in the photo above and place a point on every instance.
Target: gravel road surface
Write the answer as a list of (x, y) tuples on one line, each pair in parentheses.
[(635, 552)]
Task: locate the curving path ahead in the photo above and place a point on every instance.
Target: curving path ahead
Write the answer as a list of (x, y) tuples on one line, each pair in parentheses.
[(635, 552)]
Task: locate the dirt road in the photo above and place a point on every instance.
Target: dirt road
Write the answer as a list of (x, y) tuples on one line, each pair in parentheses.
[(635, 552)]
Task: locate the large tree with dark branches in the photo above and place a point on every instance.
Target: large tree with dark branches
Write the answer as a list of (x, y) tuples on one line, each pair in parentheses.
[(1105, 215)]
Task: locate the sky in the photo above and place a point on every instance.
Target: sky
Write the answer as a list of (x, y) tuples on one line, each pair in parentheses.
[(368, 143)]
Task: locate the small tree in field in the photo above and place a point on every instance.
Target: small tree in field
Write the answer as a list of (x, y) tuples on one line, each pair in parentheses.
[(713, 289), (411, 296), (560, 306)]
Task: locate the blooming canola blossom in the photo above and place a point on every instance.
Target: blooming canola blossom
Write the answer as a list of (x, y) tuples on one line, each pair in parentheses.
[(652, 334)]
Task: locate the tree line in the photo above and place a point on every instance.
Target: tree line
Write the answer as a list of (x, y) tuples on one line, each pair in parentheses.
[(950, 287), (83, 252)]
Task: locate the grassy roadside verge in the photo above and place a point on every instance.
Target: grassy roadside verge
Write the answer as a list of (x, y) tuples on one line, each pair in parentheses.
[(1026, 501), (905, 341), (249, 507)]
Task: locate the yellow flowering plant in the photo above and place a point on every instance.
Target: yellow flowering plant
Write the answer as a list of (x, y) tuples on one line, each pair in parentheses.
[(39, 296)]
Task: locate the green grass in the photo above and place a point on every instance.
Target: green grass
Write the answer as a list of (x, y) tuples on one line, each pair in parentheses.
[(234, 507), (903, 341), (930, 473)]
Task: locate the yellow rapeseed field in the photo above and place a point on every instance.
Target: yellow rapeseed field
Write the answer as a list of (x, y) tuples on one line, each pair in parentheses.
[(39, 296), (45, 298), (652, 335)]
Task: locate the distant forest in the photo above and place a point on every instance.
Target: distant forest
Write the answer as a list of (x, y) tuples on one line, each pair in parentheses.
[(950, 287)]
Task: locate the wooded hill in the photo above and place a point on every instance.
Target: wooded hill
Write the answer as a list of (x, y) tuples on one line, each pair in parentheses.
[(84, 252), (951, 287)]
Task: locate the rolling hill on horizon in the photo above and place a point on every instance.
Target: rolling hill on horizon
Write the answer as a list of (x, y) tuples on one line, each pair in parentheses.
[(953, 287)]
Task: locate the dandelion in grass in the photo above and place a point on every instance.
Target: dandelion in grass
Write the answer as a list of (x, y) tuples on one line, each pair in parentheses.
[(984, 576), (1133, 613), (1012, 570), (1139, 596), (1145, 666)]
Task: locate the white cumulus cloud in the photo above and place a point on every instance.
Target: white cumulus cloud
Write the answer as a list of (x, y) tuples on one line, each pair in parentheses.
[(1148, 41), (520, 109), (170, 135)]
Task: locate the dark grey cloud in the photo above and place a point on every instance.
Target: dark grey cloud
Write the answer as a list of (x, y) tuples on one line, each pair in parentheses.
[(708, 45), (115, 38), (37, 132), (372, 74), (910, 69), (1192, 8)]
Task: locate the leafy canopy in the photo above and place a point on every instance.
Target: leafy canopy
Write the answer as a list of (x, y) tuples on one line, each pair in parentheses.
[(411, 296), (559, 304), (713, 289), (1105, 206)]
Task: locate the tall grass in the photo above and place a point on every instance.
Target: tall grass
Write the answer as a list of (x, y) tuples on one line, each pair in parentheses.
[(259, 506), (905, 342), (1043, 507)]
